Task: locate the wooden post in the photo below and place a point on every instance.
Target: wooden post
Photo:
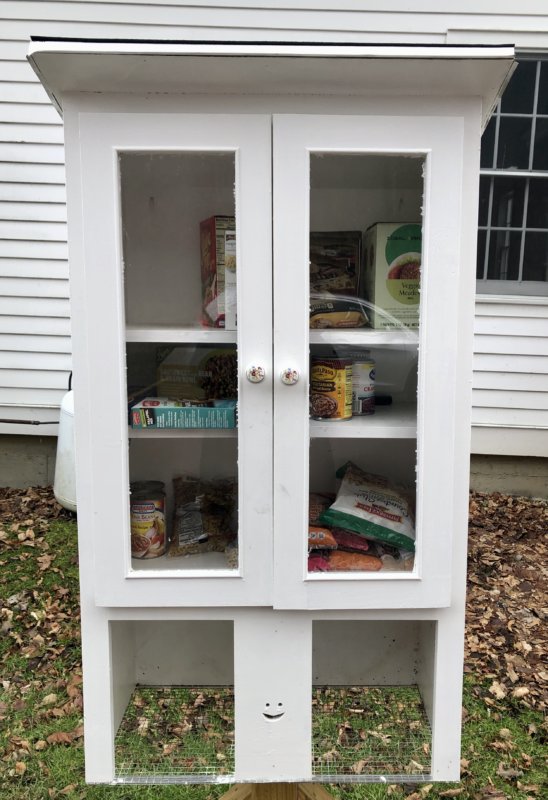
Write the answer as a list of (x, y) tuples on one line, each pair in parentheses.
[(277, 791)]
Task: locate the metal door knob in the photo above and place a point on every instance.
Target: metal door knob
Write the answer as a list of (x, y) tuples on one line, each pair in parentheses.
[(255, 374), (289, 376)]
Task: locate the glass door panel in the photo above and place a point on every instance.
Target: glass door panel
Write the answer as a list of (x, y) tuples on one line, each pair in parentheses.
[(365, 218), (180, 270), (169, 194), (365, 257)]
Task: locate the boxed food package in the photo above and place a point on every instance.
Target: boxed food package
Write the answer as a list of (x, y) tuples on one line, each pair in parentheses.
[(392, 274), (199, 373), (335, 262), (218, 266), (164, 412)]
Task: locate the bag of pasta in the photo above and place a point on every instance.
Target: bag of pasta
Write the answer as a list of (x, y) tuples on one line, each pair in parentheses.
[(204, 515)]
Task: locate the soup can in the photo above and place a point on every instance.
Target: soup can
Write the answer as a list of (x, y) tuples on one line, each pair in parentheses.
[(148, 519), (331, 388), (363, 386)]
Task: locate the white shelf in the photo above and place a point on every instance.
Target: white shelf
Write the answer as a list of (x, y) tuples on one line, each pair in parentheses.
[(168, 566), (179, 334), (388, 422), (365, 337), (182, 433)]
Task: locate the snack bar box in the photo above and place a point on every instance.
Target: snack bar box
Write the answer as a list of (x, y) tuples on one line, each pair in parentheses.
[(392, 274), (218, 265), (163, 412)]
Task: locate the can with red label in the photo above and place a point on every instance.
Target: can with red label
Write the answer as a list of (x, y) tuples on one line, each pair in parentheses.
[(148, 519)]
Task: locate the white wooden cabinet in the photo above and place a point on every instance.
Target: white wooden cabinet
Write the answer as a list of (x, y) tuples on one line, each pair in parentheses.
[(288, 140)]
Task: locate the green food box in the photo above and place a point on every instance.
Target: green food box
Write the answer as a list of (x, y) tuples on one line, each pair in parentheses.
[(164, 412), (392, 274)]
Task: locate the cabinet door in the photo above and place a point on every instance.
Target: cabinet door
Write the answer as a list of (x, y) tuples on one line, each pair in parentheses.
[(177, 243), (382, 480)]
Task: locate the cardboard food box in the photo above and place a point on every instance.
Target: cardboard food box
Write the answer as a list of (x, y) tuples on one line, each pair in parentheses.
[(218, 267), (335, 262), (392, 273), (164, 412), (199, 373)]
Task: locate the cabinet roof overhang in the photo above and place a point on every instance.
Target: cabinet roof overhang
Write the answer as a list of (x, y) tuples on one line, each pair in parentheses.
[(144, 67)]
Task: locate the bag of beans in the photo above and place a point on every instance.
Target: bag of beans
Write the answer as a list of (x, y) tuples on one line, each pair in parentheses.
[(374, 507)]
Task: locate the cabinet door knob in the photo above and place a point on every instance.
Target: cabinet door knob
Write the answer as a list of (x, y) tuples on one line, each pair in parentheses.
[(255, 374), (289, 376)]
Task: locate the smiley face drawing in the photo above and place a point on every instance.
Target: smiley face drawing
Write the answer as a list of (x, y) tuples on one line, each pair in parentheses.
[(273, 711)]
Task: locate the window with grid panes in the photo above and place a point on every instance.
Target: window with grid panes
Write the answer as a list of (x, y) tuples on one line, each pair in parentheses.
[(513, 205)]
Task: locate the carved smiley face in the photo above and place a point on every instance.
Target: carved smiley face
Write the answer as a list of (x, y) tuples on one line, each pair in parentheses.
[(273, 711)]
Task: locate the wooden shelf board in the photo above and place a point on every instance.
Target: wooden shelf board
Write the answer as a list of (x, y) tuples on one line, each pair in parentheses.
[(184, 334)]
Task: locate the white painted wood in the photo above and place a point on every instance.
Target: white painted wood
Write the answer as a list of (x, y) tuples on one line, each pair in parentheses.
[(509, 441), (54, 326), (34, 379), (516, 381), (510, 417), (35, 306), (487, 398), (35, 344), (272, 649), (273, 665), (10, 360), (179, 335), (317, 69), (388, 422), (33, 287), (50, 212), (510, 345), (490, 362), (440, 140), (249, 137)]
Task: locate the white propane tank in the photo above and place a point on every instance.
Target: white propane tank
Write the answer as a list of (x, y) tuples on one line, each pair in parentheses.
[(64, 484)]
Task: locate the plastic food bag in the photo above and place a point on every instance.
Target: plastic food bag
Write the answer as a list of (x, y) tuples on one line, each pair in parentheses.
[(320, 539), (372, 506), (204, 515)]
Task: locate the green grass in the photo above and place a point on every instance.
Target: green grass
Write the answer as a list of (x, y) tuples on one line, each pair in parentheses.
[(504, 742)]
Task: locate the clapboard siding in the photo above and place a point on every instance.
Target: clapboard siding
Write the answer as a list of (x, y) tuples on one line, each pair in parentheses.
[(510, 387), (511, 360)]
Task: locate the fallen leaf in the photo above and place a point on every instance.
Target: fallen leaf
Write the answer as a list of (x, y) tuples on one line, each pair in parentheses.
[(498, 690), (520, 691), (20, 767), (452, 792), (59, 738), (358, 767)]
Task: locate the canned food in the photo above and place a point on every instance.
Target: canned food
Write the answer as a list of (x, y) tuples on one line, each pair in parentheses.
[(331, 388), (363, 387), (147, 519)]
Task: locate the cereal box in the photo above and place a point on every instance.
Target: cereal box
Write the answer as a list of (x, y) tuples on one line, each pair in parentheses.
[(218, 267), (392, 274)]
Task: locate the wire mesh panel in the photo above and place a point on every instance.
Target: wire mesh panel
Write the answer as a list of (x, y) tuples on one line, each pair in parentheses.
[(177, 735), (361, 734)]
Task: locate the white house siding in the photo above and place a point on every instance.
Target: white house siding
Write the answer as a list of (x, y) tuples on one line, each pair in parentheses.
[(511, 360)]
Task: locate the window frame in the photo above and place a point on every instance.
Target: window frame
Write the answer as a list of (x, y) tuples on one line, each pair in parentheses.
[(519, 286)]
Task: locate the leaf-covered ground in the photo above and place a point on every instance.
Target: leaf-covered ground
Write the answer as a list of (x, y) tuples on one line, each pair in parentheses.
[(506, 673)]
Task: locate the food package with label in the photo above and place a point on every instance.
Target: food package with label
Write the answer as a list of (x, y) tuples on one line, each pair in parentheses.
[(335, 269), (204, 517), (218, 268), (199, 374), (391, 277), (374, 507)]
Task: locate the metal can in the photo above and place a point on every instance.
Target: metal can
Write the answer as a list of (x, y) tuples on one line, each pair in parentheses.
[(330, 388), (363, 386), (148, 519)]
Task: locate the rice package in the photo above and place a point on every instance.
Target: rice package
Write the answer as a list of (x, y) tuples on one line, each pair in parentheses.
[(374, 507)]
